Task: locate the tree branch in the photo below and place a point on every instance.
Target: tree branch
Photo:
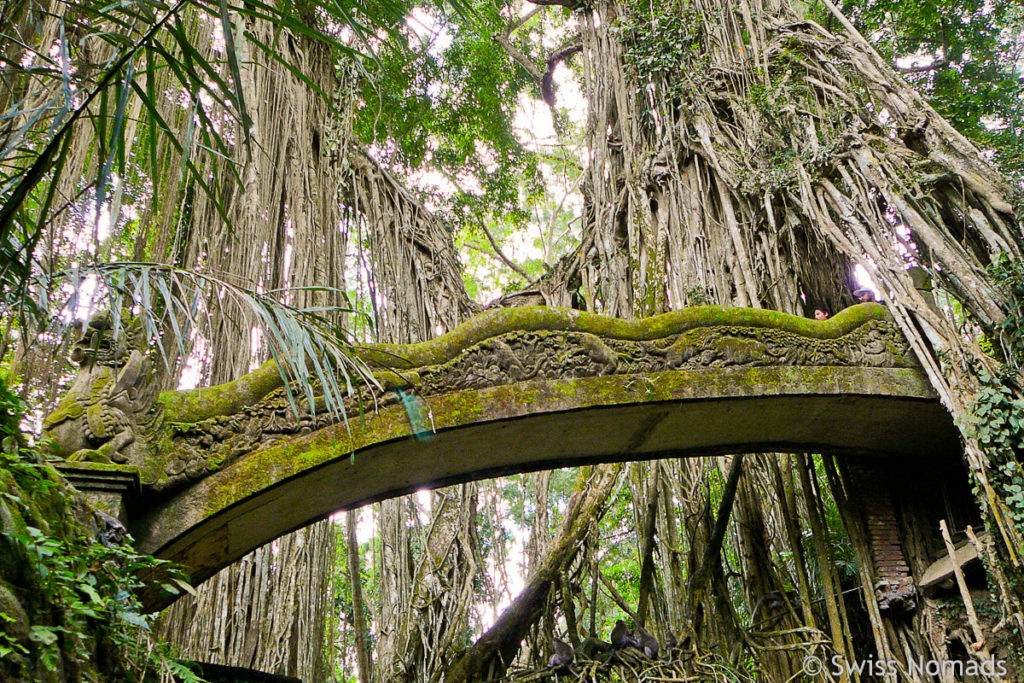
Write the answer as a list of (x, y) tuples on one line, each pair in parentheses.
[(647, 547), (517, 55), (546, 85), (504, 259), (355, 581), (714, 547), (617, 598), (495, 649), (521, 21)]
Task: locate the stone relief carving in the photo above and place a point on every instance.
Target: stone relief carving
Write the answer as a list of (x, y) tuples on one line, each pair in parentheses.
[(101, 417), (523, 356), (106, 414)]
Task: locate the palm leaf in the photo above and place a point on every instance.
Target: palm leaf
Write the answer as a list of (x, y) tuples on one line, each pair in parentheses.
[(309, 354), (153, 28)]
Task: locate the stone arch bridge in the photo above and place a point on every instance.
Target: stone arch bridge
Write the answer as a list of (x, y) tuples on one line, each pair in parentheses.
[(203, 477)]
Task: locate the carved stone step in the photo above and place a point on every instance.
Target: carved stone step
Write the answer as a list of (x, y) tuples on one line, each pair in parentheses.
[(108, 488)]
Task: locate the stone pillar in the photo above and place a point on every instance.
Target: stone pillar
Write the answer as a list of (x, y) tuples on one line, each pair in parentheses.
[(108, 488), (868, 483)]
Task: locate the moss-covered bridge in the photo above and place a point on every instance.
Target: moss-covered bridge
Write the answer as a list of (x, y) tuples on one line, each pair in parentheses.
[(226, 469)]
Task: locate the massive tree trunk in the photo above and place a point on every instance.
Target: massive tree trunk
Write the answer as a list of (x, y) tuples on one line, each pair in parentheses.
[(281, 198), (744, 154), (667, 232)]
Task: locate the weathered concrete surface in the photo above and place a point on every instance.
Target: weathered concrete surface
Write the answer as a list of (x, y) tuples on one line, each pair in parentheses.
[(541, 424), (941, 570), (193, 434)]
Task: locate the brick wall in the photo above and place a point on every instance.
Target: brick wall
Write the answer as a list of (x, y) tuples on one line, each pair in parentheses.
[(869, 487)]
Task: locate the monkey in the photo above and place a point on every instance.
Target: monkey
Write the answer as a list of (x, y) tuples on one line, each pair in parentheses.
[(621, 638), (561, 661), (591, 647), (114, 532), (671, 643), (647, 643), (773, 600)]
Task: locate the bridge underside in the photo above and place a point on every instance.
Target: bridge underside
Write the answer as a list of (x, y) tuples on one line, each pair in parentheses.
[(534, 425)]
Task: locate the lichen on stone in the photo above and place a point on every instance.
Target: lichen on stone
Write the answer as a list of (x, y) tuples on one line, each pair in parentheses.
[(191, 434)]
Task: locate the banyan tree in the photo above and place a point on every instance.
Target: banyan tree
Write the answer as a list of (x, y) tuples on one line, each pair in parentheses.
[(745, 153)]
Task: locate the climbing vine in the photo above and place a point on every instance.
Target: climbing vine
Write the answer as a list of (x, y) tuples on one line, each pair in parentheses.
[(997, 413), (997, 421), (67, 593), (1009, 277), (662, 44)]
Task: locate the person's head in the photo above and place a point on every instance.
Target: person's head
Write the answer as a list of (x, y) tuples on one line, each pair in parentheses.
[(864, 295), (820, 314)]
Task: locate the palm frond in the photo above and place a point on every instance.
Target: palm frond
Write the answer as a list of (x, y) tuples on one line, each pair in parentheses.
[(58, 90), (309, 347)]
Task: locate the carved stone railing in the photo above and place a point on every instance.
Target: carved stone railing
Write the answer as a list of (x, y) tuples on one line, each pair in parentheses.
[(112, 415), (222, 470)]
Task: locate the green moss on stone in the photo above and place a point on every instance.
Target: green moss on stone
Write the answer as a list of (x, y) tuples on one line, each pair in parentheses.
[(288, 459), (396, 369), (395, 360), (273, 464), (73, 405), (224, 399), (542, 318), (390, 380)]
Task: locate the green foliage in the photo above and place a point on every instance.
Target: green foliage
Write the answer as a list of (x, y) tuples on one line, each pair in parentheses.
[(997, 414), (341, 614), (964, 55), (664, 47), (1009, 276), (442, 97), (11, 410), (663, 44), (997, 422), (304, 342), (77, 593)]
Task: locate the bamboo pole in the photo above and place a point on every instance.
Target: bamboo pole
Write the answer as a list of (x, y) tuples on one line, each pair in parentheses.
[(965, 594)]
